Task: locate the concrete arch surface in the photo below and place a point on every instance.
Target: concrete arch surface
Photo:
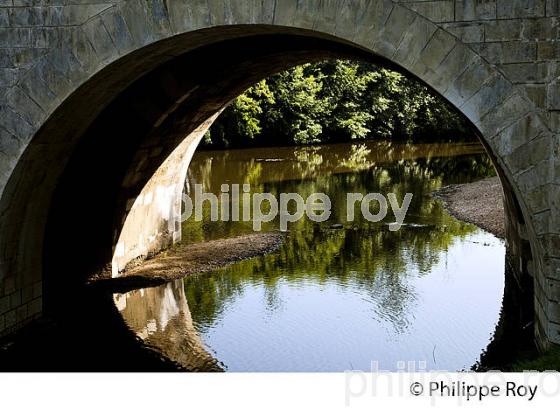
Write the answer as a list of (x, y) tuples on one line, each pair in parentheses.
[(103, 110)]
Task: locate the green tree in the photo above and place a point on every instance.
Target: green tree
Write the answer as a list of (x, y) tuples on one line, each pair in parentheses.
[(335, 101), (298, 113), (242, 119)]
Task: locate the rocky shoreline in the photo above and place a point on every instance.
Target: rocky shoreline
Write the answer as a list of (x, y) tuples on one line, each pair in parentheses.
[(479, 203)]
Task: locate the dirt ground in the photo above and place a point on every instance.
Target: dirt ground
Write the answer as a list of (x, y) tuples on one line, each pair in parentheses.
[(183, 260), (479, 203)]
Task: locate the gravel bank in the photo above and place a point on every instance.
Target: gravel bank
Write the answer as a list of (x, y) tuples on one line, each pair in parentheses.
[(184, 260), (479, 203)]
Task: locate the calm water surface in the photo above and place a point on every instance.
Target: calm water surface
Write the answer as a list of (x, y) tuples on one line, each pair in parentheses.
[(335, 299)]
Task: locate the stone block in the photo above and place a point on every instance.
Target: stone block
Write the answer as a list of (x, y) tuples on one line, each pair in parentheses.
[(10, 319), (159, 18), (44, 37), (491, 94), (537, 94), (238, 11), (468, 10), (21, 314), (554, 333), (552, 266), (326, 15), (15, 37), (17, 98), (284, 13), (26, 294), (4, 18), (540, 29), (439, 47), (37, 290), (305, 15), (502, 30), (553, 289), (530, 153), (75, 14), (509, 52), (553, 96), (9, 285), (553, 7), (495, 121), (371, 21), (27, 16), (140, 26), (551, 245), (414, 41), (53, 16), (553, 311), (263, 11), (553, 303), (218, 10), (536, 176), (508, 9), (541, 223), (244, 11), (15, 299), (117, 29), (556, 156), (35, 307), (470, 32), (398, 23), (522, 73), (100, 39), (538, 200), (540, 293), (517, 134), (36, 88), (452, 66), (15, 124), (77, 57), (469, 81), (540, 313), (20, 57), (436, 11), (555, 210), (4, 304), (347, 19), (548, 50), (9, 144)]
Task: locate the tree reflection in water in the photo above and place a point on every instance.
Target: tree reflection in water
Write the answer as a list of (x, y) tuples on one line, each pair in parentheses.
[(372, 282)]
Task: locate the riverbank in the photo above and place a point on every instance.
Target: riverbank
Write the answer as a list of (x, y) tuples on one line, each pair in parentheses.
[(187, 259), (479, 203)]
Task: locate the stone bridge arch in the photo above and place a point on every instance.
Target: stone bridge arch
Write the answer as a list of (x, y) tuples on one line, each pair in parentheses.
[(103, 101)]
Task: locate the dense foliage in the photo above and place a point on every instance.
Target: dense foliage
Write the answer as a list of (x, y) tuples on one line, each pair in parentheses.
[(333, 101)]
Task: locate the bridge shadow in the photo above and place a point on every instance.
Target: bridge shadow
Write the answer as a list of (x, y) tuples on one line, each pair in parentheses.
[(91, 336), (513, 338)]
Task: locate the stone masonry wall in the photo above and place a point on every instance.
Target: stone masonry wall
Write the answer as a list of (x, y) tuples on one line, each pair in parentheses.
[(521, 38), (496, 60), (153, 222)]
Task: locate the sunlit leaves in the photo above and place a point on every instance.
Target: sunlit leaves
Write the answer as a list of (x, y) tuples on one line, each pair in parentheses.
[(333, 101)]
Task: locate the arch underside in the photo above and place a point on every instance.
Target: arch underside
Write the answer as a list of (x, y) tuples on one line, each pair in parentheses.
[(115, 108)]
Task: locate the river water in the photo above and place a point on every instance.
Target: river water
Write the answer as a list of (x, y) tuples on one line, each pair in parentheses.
[(337, 295)]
